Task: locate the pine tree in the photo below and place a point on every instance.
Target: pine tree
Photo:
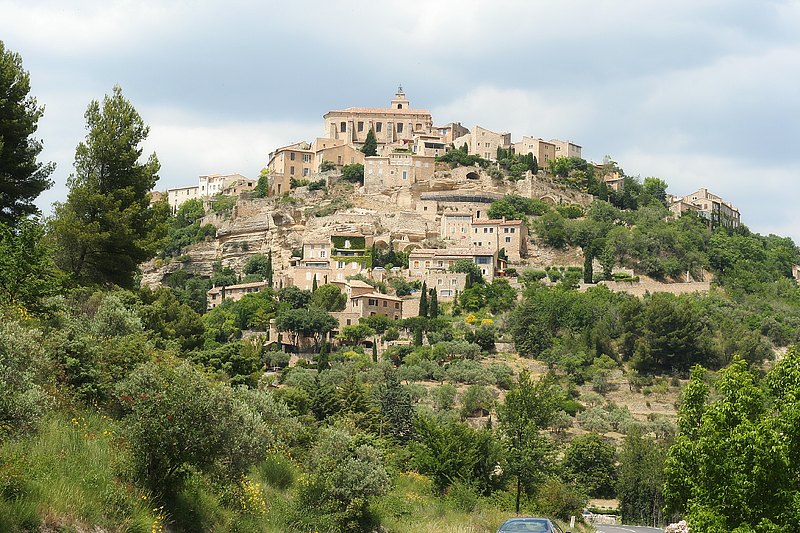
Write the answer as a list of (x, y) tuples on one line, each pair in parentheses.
[(396, 408), (22, 178), (423, 301), (107, 227), (433, 306), (370, 144)]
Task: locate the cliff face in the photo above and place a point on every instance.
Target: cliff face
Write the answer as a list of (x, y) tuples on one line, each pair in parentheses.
[(403, 215)]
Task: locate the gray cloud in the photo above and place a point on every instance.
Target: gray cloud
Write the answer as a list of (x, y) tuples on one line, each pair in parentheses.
[(698, 92)]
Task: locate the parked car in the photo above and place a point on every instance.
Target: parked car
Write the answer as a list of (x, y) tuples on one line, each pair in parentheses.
[(529, 525)]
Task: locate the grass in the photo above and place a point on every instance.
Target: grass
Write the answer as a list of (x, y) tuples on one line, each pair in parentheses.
[(65, 477), (413, 506)]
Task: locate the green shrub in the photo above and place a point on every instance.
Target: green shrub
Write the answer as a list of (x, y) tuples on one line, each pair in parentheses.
[(278, 471)]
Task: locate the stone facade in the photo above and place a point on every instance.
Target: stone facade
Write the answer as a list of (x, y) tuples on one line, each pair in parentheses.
[(566, 148), (390, 125), (484, 143), (543, 151), (217, 295)]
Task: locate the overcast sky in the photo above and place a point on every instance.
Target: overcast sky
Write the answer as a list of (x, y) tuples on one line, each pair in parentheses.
[(696, 92)]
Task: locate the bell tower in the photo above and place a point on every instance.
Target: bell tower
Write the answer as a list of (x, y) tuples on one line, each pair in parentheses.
[(399, 101)]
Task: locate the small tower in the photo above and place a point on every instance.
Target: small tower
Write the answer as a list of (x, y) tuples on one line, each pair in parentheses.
[(399, 101)]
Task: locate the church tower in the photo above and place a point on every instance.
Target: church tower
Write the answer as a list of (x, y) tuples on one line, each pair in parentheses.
[(399, 101)]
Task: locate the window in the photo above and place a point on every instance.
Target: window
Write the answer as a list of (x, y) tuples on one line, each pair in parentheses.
[(339, 264), (405, 175), (400, 127), (439, 281), (505, 230), (385, 303), (291, 156), (453, 282), (305, 171), (360, 126), (348, 321), (378, 127), (512, 230), (306, 158), (343, 127), (372, 301), (508, 239), (399, 106), (397, 305), (486, 230), (322, 253), (291, 170)]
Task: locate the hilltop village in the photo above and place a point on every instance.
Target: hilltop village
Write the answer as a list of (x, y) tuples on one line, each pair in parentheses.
[(408, 197)]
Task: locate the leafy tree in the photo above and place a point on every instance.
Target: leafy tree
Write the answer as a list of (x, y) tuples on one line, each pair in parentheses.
[(294, 297), (470, 269), (260, 265), (370, 144), (450, 451), (515, 207), (312, 322), (641, 480), (675, 335), (353, 172), (355, 334), (189, 212), (176, 420), (106, 227), (22, 379), (590, 462), (345, 474), (27, 271), (734, 463), (22, 178), (328, 297), (262, 187), (529, 408), (476, 399), (552, 228)]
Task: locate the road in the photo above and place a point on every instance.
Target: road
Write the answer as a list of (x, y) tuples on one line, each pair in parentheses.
[(626, 529)]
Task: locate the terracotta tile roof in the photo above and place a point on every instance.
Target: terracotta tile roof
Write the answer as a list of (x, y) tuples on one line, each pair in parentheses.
[(382, 110)]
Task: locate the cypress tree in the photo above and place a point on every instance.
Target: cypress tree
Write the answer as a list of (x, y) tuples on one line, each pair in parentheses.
[(370, 144), (269, 268), (418, 336), (423, 300), (314, 284), (375, 352), (433, 306)]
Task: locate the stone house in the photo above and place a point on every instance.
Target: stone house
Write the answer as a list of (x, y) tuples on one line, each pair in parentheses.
[(566, 148), (216, 295), (423, 260), (484, 142), (543, 151)]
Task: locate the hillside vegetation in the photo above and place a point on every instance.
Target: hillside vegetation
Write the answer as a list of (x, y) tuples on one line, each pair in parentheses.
[(125, 408)]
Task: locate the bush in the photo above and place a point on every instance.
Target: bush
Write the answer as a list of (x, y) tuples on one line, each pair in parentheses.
[(278, 471), (175, 418), (22, 365)]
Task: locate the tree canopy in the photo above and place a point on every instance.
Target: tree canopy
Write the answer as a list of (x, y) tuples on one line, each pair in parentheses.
[(22, 177), (107, 227)]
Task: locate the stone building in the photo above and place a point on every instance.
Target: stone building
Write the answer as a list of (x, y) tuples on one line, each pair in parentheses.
[(484, 143), (566, 148), (423, 260), (497, 234), (216, 295), (714, 209), (293, 161), (398, 169), (390, 124), (543, 151)]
